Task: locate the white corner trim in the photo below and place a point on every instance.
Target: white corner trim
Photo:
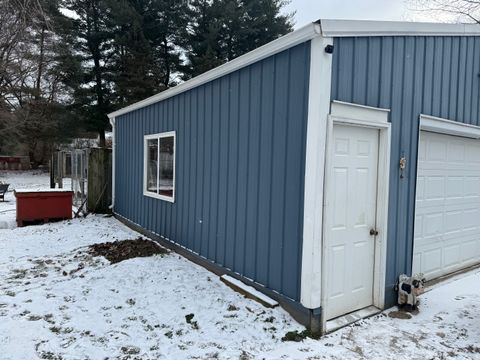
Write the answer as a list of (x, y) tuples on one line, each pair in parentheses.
[(318, 110), (449, 127), (145, 165), (357, 28), (112, 122), (366, 114), (296, 37)]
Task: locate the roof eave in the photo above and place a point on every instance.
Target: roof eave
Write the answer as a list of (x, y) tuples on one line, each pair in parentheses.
[(296, 37), (359, 28), (325, 28)]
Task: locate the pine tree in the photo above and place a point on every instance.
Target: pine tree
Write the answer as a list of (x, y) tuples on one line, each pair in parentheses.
[(132, 58), (167, 33), (263, 22), (94, 43), (203, 48), (222, 30)]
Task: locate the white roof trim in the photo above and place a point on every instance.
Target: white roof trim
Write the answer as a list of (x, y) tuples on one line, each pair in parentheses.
[(357, 28), (325, 28), (448, 127), (285, 42), (341, 109)]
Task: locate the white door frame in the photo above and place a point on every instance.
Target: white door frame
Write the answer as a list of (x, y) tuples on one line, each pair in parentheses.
[(375, 118)]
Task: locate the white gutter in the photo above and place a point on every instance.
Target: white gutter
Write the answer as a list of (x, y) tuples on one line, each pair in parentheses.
[(296, 37)]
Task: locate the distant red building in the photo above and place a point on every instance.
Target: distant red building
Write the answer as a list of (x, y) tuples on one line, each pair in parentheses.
[(14, 163)]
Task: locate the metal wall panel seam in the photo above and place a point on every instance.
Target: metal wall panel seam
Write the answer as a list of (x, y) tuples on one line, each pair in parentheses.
[(244, 158)]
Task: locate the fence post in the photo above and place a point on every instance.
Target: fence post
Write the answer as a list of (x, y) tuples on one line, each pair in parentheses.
[(99, 191), (59, 172), (52, 171)]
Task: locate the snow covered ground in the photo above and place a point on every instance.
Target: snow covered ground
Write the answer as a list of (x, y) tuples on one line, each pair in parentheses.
[(59, 302)]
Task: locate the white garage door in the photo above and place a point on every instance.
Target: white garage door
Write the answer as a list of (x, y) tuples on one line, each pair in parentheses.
[(447, 223)]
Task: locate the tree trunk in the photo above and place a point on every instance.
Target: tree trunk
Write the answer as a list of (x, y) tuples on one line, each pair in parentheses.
[(96, 54), (166, 81), (40, 64), (101, 141)]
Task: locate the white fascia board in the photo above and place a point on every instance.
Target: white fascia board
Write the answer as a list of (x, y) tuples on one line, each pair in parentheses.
[(358, 28), (318, 112), (448, 127), (296, 37), (325, 27)]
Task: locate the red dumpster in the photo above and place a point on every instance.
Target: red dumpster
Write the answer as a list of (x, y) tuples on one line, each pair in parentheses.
[(43, 205)]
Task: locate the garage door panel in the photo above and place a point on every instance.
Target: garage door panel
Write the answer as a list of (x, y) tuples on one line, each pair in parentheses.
[(432, 260), (455, 185), (470, 251), (436, 150), (420, 188), (447, 221), (471, 153), (471, 219), (456, 152), (434, 188), (451, 256), (433, 224), (453, 222), (472, 186), (418, 227), (417, 261)]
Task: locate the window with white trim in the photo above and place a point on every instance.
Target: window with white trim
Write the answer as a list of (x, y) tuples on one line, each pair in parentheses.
[(159, 166)]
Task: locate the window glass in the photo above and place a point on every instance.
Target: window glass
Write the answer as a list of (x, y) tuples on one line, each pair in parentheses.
[(166, 166), (152, 165), (159, 166)]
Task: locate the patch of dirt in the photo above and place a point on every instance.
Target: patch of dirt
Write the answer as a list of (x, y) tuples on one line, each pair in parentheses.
[(118, 251), (299, 336), (189, 319), (414, 310), (400, 315), (472, 349), (130, 350)]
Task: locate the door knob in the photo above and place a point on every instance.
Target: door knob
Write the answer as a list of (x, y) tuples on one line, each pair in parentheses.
[(373, 232)]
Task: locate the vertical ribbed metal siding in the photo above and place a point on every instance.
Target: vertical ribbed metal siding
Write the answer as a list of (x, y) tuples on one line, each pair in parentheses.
[(239, 169), (436, 76)]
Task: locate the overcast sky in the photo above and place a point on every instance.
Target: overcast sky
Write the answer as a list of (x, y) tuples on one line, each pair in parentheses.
[(311, 10)]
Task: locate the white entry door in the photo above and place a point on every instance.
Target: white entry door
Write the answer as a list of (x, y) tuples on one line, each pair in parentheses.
[(447, 210), (351, 204)]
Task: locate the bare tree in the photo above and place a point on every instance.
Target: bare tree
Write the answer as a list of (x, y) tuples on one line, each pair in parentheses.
[(32, 93), (457, 10), (18, 18)]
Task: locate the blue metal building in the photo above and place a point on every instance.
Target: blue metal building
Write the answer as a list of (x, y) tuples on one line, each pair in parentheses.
[(317, 168)]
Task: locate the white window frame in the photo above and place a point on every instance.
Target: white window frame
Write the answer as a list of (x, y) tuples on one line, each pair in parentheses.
[(158, 137)]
